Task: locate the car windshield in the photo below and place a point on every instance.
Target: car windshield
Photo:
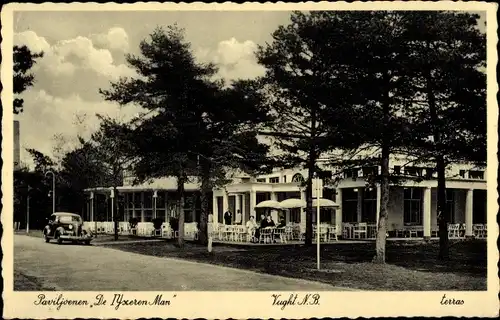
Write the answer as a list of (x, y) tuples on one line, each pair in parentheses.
[(68, 219)]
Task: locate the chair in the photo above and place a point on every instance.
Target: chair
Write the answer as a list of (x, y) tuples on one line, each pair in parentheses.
[(166, 230), (360, 229), (281, 234), (323, 231), (302, 232), (289, 232), (479, 230), (266, 235), (251, 235), (412, 232), (453, 231), (347, 230), (239, 233), (332, 233)]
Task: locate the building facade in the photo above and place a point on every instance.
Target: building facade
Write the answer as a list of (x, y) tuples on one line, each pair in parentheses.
[(412, 201)]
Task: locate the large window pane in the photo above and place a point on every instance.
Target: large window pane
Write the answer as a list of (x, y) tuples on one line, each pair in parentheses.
[(148, 215), (413, 206), (137, 200), (148, 199)]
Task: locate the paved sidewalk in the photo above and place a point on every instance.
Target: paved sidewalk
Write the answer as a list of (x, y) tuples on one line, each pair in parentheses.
[(95, 268)]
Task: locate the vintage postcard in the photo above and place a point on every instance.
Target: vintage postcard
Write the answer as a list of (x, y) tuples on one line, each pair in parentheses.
[(253, 160)]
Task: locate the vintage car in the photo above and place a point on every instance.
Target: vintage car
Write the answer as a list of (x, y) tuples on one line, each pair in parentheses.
[(66, 226)]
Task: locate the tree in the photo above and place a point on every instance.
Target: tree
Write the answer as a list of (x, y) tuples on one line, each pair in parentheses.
[(24, 60), (194, 126), (228, 139), (167, 89), (313, 75), (448, 95), (113, 151)]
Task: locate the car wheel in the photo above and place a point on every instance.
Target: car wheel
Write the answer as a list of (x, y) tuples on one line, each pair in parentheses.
[(58, 238), (45, 237)]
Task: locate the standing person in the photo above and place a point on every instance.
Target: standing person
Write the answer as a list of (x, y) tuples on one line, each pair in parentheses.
[(237, 219), (228, 216)]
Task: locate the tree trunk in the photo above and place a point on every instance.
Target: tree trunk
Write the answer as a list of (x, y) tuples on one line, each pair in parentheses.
[(205, 190), (442, 214), (384, 201), (384, 185), (180, 208)]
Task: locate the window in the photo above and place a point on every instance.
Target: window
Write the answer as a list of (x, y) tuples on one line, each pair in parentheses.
[(325, 216), (413, 171), (274, 180), (479, 206), (351, 173), (462, 173), (370, 171), (261, 180), (369, 213), (148, 200), (220, 209), (429, 172), (412, 206), (136, 198), (450, 205), (161, 199), (397, 169), (297, 178), (476, 175), (284, 179), (295, 215), (68, 219), (349, 205)]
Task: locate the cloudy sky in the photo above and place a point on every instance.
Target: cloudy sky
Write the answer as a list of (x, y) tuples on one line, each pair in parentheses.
[(84, 51)]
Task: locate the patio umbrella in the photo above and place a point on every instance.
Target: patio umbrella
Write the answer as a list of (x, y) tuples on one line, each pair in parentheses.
[(292, 203), (323, 203), (269, 204), (298, 203)]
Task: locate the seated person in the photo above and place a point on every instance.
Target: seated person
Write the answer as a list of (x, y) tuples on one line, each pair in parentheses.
[(268, 222), (262, 219), (282, 223), (252, 226)]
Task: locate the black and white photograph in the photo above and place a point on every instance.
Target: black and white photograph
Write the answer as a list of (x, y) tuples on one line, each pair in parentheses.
[(266, 160)]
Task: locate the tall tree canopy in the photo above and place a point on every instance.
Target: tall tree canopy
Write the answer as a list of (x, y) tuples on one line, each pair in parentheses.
[(193, 126), (323, 70), (381, 81), (447, 95), (24, 60)]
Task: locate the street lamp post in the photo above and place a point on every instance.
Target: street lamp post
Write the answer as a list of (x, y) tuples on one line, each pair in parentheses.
[(317, 223), (53, 190), (28, 211)]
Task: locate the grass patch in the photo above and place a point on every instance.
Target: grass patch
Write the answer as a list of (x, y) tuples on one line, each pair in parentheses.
[(409, 266)]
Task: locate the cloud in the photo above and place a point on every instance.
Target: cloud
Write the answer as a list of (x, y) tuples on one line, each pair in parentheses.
[(67, 56), (115, 39), (75, 66), (236, 60), (46, 116)]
